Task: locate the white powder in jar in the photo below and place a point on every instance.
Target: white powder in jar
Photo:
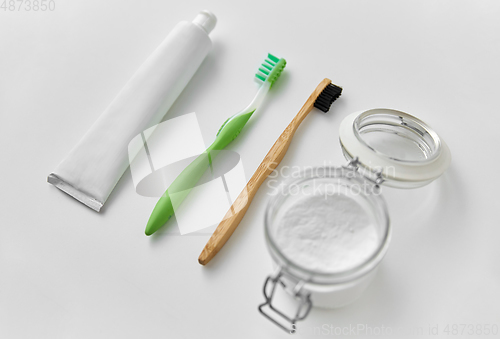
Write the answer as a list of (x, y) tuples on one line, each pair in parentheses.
[(329, 233)]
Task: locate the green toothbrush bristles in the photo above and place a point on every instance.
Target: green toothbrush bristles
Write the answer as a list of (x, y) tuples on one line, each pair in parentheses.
[(271, 69), (272, 57)]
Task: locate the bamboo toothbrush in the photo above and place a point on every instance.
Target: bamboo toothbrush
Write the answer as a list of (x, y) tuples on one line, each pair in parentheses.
[(268, 73), (322, 98)]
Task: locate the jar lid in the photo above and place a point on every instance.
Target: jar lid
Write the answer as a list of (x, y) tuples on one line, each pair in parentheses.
[(402, 148)]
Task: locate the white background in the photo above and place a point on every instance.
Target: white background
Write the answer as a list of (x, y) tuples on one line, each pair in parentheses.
[(69, 272)]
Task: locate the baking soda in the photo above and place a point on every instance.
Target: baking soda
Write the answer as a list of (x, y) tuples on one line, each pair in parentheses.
[(329, 233)]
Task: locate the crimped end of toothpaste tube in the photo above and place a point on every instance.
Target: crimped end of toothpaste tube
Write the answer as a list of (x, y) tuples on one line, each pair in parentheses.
[(74, 192)]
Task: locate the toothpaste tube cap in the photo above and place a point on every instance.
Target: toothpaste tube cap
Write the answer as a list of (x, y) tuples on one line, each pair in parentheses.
[(205, 20)]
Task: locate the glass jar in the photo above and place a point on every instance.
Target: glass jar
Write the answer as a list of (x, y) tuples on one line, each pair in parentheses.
[(383, 147)]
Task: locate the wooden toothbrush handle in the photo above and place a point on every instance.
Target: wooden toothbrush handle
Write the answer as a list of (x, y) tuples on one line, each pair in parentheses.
[(271, 161)]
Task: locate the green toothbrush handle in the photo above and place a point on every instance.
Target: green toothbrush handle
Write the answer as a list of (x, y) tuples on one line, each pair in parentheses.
[(180, 188), (190, 176), (230, 129)]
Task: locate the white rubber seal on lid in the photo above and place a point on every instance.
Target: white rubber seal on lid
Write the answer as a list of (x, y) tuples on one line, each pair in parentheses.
[(405, 149)]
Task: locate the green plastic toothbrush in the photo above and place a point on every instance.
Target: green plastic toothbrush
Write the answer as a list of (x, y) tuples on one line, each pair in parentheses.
[(268, 73)]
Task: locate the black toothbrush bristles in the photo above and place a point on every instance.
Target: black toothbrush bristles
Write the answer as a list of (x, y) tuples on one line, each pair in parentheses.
[(327, 97)]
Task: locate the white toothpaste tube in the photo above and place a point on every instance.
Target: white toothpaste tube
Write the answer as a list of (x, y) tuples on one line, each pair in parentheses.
[(93, 167)]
